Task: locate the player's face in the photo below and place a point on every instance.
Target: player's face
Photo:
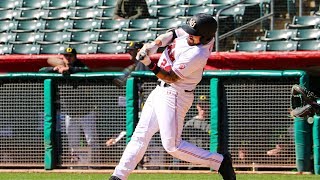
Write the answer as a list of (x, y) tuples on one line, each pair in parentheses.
[(193, 40)]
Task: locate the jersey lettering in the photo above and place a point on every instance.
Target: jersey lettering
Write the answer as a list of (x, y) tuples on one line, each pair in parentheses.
[(163, 63), (171, 49)]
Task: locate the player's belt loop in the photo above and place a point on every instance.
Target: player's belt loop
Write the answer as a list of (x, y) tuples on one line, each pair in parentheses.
[(188, 90), (163, 84)]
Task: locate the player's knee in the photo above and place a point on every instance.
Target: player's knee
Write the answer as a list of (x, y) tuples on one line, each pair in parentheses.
[(169, 146)]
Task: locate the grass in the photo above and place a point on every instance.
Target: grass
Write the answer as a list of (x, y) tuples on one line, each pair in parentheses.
[(99, 176)]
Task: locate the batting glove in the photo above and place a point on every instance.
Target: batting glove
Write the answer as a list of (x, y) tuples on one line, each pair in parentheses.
[(146, 61), (150, 48)]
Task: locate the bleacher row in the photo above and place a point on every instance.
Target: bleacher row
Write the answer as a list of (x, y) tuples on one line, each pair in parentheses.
[(35, 26), (302, 34)]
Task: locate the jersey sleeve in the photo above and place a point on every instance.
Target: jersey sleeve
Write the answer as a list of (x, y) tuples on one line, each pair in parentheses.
[(180, 32), (188, 63)]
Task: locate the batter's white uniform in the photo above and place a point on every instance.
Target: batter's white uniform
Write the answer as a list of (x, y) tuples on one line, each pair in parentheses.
[(166, 107)]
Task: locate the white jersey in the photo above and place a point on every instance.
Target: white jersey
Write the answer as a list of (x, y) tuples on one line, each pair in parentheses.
[(186, 61)]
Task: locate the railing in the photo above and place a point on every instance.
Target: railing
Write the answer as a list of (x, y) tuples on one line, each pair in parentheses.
[(219, 37)]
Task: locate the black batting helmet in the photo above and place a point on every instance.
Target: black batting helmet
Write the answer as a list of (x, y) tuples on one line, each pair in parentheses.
[(203, 25)]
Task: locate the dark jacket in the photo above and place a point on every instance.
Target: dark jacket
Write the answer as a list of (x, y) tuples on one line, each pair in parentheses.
[(131, 9)]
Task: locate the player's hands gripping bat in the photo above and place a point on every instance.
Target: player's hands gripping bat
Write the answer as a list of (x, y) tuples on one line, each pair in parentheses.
[(121, 81)]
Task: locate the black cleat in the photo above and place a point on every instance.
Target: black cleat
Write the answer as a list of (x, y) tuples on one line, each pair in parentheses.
[(114, 178), (226, 169)]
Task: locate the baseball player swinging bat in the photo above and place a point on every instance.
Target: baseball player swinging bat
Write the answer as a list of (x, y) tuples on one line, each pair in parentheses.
[(121, 81)]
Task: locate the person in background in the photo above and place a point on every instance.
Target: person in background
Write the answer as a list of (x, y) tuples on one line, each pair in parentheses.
[(67, 64), (197, 129), (131, 9), (283, 144)]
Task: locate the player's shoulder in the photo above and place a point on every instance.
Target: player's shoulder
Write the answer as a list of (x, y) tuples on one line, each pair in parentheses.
[(180, 32)]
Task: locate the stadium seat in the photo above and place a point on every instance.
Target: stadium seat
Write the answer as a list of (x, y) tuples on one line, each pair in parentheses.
[(113, 25), (250, 46), (192, 3), (5, 38), (29, 26), (235, 14), (85, 48), (309, 45), (165, 24), (85, 25), (32, 14), (53, 48), (111, 37), (263, 5), (140, 36), (224, 1), (159, 32), (60, 14), (141, 24), (166, 3), (170, 12), (8, 26), (60, 4), (83, 37), (304, 22), (111, 48), (10, 4), (107, 4), (87, 13), (25, 49), (307, 34), (199, 9), (9, 14), (34, 4), (57, 25), (86, 4), (282, 45), (238, 10), (55, 37), (27, 38), (107, 13), (5, 49), (151, 3), (280, 34), (153, 11)]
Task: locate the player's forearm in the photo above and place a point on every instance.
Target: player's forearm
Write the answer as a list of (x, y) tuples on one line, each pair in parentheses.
[(168, 77), (164, 39)]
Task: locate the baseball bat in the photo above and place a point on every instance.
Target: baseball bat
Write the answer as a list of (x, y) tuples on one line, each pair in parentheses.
[(121, 80)]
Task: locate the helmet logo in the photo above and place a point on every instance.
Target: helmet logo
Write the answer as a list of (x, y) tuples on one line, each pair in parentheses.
[(192, 23), (182, 66)]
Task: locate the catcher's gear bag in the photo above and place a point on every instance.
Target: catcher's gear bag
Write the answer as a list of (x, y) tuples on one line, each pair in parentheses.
[(303, 102)]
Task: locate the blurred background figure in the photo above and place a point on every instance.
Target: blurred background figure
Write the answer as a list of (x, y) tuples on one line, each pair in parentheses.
[(131, 9), (68, 63), (197, 129)]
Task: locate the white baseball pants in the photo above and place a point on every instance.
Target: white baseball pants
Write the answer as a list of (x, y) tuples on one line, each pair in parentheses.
[(164, 110)]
